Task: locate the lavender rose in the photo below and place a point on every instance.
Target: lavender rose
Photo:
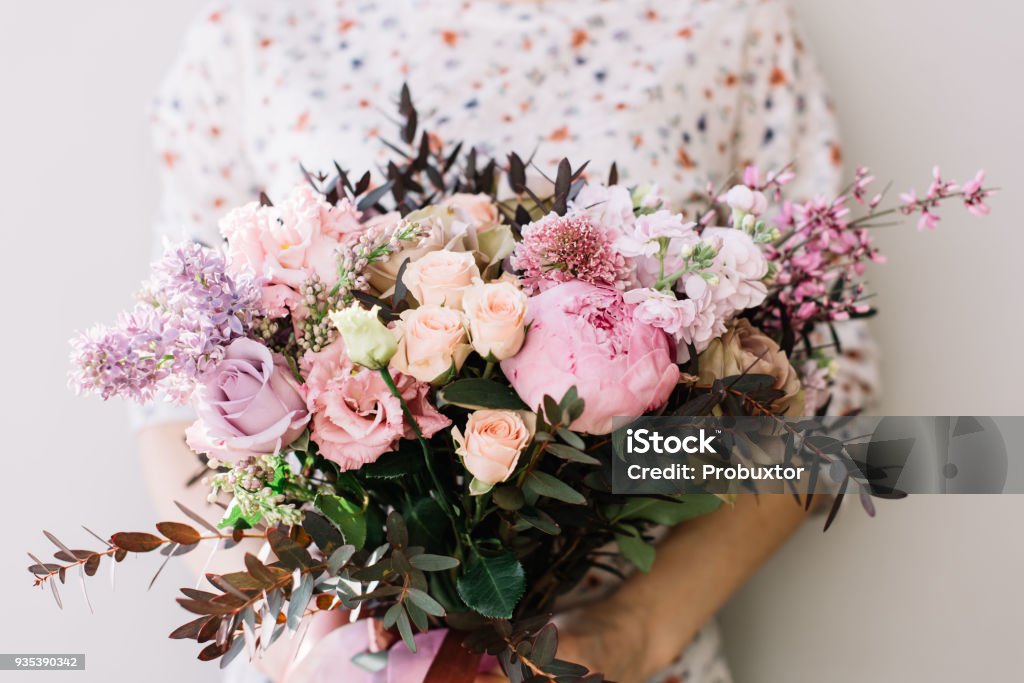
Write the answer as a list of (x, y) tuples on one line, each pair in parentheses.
[(586, 336), (248, 405)]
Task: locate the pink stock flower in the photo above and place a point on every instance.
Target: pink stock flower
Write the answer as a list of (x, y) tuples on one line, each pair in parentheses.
[(643, 237), (248, 405), (741, 267), (355, 417), (586, 336), (688, 321), (610, 207)]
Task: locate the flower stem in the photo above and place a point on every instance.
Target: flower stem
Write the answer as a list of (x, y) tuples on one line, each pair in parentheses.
[(442, 498), (488, 369)]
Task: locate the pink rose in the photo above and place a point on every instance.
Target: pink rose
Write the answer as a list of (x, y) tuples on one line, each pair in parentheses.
[(492, 443), (478, 209), (432, 343), (248, 405), (290, 243), (305, 210), (586, 336), (441, 277), (356, 418)]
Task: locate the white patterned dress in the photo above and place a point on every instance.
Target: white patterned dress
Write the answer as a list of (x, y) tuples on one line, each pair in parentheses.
[(681, 93)]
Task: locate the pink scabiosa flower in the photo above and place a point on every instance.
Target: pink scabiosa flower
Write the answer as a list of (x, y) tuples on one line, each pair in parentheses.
[(356, 418), (585, 336), (559, 249)]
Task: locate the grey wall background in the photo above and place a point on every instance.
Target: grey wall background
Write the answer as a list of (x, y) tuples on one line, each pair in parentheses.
[(930, 590)]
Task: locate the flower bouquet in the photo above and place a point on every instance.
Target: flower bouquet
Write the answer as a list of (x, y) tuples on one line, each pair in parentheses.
[(406, 391)]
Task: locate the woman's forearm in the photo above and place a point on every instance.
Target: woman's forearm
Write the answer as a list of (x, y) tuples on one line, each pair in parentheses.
[(699, 565), (167, 466)]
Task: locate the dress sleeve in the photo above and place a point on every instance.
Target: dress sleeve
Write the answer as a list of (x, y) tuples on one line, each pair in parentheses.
[(785, 117), (197, 130), (197, 122)]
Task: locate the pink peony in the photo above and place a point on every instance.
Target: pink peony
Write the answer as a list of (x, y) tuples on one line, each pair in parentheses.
[(586, 336), (248, 405), (355, 417)]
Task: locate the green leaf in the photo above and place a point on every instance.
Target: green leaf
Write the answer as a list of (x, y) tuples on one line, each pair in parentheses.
[(544, 484), (475, 393), (339, 558), (346, 515), (416, 615), (426, 522), (540, 520), (324, 533), (233, 518), (545, 645), (493, 585), (636, 550), (572, 454), (397, 532), (665, 512), (508, 498), (552, 411), (433, 563), (425, 602), (394, 465), (391, 616), (747, 383), (371, 661), (405, 629), (571, 438), (289, 553)]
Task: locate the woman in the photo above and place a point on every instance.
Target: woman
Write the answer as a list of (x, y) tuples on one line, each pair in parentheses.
[(684, 93)]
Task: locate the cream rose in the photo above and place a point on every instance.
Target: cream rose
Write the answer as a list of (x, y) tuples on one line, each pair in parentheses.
[(432, 343), (443, 228), (441, 277), (492, 443), (745, 348), (497, 319), (478, 208)]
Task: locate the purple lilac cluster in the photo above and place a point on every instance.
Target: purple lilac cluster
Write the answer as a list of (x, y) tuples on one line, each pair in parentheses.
[(185, 316)]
